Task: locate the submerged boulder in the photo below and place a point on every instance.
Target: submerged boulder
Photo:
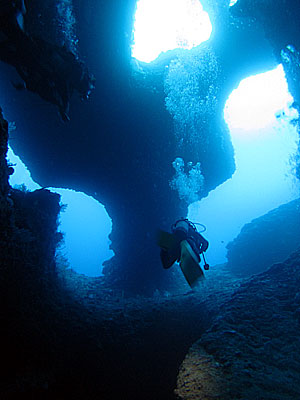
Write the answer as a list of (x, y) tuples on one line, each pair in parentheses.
[(266, 240), (252, 349)]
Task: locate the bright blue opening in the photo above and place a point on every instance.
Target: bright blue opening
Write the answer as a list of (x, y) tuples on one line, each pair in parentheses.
[(162, 25), (258, 114), (85, 224)]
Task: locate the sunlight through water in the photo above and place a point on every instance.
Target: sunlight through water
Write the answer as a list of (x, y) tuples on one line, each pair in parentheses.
[(259, 116), (162, 25), (256, 102)]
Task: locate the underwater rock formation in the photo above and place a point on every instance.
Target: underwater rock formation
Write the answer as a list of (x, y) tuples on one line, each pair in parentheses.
[(51, 71), (56, 345), (252, 349), (138, 168), (279, 20), (4, 172), (265, 240), (119, 148), (28, 241), (29, 222)]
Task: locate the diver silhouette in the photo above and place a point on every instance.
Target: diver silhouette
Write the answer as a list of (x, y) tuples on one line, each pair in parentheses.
[(184, 245)]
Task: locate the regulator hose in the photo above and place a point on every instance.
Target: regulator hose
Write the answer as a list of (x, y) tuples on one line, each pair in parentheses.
[(203, 226)]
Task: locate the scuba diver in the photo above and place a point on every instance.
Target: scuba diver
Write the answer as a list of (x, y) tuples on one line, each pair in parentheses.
[(184, 245)]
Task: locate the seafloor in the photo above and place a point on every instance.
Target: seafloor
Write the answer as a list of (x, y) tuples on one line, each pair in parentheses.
[(92, 342), (252, 349), (65, 336)]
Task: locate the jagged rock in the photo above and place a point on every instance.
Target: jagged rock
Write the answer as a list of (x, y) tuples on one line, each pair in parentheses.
[(5, 203), (4, 186), (58, 348), (266, 240), (120, 146), (252, 349), (28, 235)]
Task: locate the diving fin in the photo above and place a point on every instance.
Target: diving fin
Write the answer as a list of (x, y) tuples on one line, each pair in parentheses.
[(169, 245), (166, 240), (189, 265)]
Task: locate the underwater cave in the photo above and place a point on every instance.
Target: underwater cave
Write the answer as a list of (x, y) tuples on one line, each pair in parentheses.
[(83, 222), (132, 115)]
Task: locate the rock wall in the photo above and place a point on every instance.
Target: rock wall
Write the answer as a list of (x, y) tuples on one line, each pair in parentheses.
[(138, 170), (252, 349), (266, 240), (120, 146), (28, 240), (279, 21)]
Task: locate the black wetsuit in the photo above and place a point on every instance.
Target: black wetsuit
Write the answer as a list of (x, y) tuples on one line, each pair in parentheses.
[(198, 243), (183, 230)]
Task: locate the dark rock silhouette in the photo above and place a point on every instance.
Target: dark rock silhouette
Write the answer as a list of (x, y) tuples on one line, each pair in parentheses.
[(67, 337), (29, 236), (51, 71), (120, 147)]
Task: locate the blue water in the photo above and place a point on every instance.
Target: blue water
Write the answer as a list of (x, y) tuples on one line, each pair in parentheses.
[(258, 114), (83, 221), (264, 178)]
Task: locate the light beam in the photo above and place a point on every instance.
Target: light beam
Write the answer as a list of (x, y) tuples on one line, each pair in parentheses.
[(162, 25)]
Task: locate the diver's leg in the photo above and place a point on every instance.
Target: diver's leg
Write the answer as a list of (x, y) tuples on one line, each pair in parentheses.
[(170, 247), (189, 264), (168, 259), (193, 248)]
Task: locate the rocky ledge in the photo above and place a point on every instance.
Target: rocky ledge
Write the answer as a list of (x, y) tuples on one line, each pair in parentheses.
[(252, 349), (266, 240)]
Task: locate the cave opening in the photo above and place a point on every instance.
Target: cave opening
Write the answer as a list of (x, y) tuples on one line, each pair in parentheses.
[(163, 25), (83, 221), (260, 116), (122, 147)]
